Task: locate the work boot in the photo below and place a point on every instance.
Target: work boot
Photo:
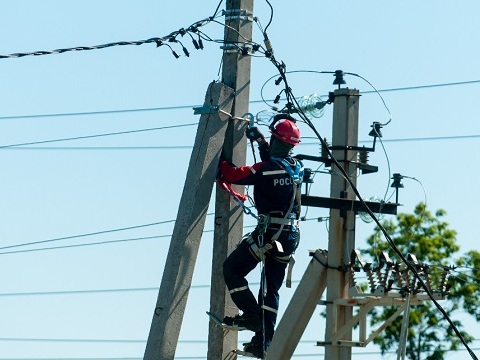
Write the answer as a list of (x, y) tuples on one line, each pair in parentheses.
[(256, 349), (242, 322)]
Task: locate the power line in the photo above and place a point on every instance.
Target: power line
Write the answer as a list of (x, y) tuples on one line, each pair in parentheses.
[(112, 340), (99, 291), (181, 147), (103, 112), (354, 354), (179, 107), (85, 235), (82, 340), (133, 341), (432, 138), (419, 87), (96, 135), (159, 41), (94, 243), (78, 292), (86, 244), (97, 148)]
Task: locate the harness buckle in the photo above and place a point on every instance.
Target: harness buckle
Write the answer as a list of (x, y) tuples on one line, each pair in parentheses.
[(263, 223)]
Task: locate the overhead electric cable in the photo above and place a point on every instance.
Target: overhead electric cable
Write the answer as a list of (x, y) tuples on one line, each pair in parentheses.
[(81, 340), (101, 112), (156, 40), (77, 292), (94, 291), (159, 41), (110, 148), (271, 16), (85, 235), (419, 87), (95, 136), (97, 243), (179, 107), (355, 354), (86, 244), (66, 148)]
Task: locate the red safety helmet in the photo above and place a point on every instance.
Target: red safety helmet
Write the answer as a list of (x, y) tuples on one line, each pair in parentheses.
[(287, 131)]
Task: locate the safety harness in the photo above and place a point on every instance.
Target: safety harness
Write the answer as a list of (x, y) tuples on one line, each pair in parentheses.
[(265, 220), (297, 176)]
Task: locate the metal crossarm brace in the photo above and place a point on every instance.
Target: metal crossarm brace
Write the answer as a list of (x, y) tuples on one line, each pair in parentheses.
[(366, 304)]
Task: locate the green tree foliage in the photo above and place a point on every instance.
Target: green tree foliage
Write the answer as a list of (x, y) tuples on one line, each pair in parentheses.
[(431, 240)]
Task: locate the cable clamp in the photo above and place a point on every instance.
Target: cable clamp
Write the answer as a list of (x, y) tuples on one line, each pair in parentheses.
[(244, 50), (229, 48), (238, 14)]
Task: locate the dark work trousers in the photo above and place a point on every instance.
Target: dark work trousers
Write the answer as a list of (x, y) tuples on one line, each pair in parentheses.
[(242, 261)]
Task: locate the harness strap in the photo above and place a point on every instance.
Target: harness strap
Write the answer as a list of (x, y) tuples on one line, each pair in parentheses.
[(287, 215), (290, 259), (297, 177), (283, 221), (296, 180), (288, 282)]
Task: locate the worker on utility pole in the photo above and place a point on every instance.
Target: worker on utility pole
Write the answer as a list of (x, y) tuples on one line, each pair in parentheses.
[(276, 179)]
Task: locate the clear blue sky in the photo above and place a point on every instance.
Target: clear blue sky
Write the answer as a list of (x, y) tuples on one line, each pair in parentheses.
[(76, 302)]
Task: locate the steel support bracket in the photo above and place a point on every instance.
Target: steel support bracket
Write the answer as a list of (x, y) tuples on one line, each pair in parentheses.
[(365, 304), (206, 109)]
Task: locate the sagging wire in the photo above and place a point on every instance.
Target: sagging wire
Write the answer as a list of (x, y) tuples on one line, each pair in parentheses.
[(280, 79), (159, 41), (475, 279), (423, 188), (85, 235), (376, 130), (292, 102), (388, 165), (378, 93), (271, 16), (216, 10), (268, 50)]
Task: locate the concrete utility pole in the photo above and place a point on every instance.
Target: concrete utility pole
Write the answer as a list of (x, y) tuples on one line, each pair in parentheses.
[(187, 233), (341, 240), (214, 135), (340, 244), (228, 215)]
